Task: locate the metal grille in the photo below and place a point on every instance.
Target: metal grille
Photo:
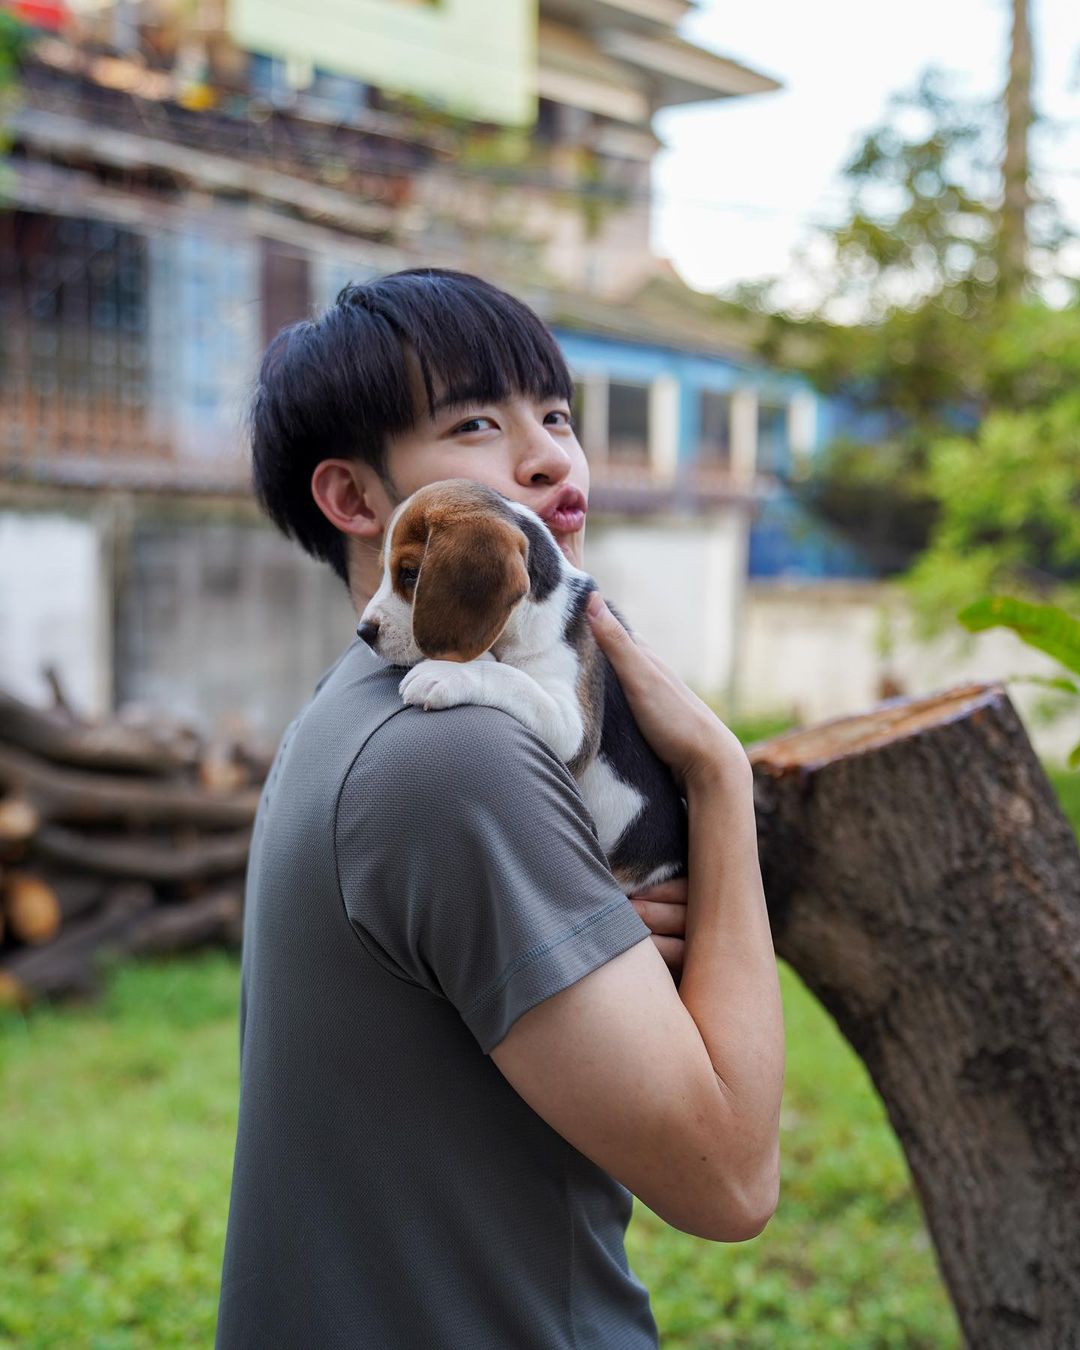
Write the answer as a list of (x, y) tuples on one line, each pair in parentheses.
[(74, 376)]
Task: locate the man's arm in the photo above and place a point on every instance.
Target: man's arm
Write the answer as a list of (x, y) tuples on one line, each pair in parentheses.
[(676, 1093)]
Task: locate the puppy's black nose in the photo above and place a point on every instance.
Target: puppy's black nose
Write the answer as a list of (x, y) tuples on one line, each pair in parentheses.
[(368, 632)]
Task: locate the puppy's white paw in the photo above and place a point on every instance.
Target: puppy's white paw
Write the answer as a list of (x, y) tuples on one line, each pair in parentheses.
[(439, 684)]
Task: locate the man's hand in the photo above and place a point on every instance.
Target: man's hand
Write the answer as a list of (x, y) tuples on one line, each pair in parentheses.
[(663, 910)]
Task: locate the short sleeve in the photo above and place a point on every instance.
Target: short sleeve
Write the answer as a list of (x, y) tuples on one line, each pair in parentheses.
[(470, 865)]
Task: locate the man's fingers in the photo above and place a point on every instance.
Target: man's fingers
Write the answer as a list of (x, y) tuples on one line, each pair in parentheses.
[(603, 622), (620, 647), (676, 889), (662, 917)]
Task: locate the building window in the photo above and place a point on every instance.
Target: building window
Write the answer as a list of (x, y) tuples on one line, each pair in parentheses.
[(628, 423), (577, 407), (73, 332), (547, 125), (715, 429), (773, 448), (335, 98), (286, 287)]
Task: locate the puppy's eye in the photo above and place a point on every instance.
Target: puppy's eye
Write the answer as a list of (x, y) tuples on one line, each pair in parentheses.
[(407, 575)]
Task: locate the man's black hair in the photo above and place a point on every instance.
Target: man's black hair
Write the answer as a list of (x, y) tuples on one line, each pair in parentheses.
[(338, 386)]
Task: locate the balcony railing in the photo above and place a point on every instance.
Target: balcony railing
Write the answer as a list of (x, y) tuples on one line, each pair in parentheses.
[(374, 160)]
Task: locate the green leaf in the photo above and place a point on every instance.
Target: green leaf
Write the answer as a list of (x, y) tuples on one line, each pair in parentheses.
[(1045, 627), (1074, 757), (1050, 681)]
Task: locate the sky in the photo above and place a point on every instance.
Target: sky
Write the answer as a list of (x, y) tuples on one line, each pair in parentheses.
[(741, 181)]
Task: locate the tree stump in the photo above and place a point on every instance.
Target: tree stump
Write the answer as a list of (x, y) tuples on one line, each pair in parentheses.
[(924, 882)]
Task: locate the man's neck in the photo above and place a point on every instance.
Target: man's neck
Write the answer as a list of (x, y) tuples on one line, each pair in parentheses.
[(359, 601), (365, 574)]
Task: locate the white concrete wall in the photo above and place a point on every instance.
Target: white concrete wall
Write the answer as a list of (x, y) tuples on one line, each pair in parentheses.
[(55, 608), (227, 624), (221, 621), (676, 583), (822, 649)]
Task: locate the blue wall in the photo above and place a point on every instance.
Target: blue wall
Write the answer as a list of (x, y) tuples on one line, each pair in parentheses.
[(784, 539), (640, 362)]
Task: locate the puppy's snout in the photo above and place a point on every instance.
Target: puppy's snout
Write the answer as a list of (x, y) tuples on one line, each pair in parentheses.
[(368, 631)]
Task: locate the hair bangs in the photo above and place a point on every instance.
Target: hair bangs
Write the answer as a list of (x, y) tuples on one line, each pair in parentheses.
[(472, 341)]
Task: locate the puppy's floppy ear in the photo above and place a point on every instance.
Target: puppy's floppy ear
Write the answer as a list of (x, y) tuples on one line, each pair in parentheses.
[(472, 575)]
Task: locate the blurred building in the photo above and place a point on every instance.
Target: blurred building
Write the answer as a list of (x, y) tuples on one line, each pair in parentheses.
[(184, 180)]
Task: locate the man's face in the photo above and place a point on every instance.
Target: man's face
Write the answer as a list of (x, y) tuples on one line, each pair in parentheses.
[(524, 448)]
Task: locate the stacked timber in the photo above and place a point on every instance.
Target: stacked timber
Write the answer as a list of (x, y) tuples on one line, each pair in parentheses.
[(126, 836)]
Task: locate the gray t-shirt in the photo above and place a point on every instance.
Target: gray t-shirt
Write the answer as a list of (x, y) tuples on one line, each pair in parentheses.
[(417, 881)]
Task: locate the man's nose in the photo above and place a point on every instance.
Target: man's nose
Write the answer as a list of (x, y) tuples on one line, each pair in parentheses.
[(368, 631), (543, 455)]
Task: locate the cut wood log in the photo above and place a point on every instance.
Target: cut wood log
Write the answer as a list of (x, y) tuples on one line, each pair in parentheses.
[(257, 759), (220, 770), (72, 963), (925, 884), (18, 821), (31, 907), (105, 746), (72, 795), (77, 893), (131, 856), (61, 702), (211, 917)]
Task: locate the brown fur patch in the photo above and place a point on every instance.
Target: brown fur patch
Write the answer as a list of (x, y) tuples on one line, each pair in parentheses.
[(590, 686), (472, 567)]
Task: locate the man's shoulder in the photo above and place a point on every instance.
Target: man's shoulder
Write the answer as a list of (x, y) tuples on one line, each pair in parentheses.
[(467, 742), (356, 731)]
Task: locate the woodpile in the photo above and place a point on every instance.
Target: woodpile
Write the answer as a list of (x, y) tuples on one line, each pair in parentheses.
[(127, 836)]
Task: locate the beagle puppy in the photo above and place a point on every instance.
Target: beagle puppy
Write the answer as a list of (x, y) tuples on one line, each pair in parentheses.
[(482, 606)]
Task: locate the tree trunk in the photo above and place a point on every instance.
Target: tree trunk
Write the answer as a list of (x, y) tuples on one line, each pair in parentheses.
[(925, 884), (1015, 172)]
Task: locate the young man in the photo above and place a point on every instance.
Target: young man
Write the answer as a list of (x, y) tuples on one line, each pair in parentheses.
[(461, 1048)]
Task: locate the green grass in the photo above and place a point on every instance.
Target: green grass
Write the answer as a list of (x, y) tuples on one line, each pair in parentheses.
[(845, 1261), (116, 1136), (117, 1133)]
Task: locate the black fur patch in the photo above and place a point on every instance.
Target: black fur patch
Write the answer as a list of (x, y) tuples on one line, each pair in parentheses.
[(660, 832), (580, 590), (545, 566)]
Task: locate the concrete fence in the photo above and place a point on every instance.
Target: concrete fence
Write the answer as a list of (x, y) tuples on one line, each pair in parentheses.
[(217, 618)]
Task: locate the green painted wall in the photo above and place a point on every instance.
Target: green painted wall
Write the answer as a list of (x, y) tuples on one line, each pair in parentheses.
[(476, 58)]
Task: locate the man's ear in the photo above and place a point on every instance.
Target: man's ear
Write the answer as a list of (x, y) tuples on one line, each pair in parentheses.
[(343, 492)]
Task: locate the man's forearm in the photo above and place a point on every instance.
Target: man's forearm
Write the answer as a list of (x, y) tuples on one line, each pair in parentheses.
[(730, 984)]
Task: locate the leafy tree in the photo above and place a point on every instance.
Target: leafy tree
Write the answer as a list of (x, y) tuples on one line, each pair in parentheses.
[(14, 35), (961, 437), (1047, 628)]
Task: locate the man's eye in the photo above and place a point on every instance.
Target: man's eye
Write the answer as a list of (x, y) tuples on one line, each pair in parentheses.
[(470, 425), (560, 412)]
